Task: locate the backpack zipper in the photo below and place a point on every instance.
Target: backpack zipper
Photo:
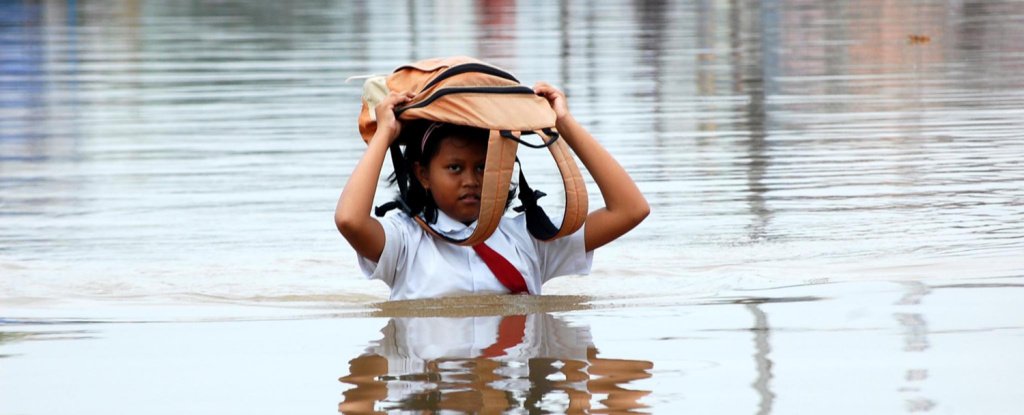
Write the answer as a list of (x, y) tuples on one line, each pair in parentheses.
[(470, 67), (515, 89)]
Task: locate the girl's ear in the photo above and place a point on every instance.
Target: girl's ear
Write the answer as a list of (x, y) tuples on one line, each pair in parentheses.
[(421, 175)]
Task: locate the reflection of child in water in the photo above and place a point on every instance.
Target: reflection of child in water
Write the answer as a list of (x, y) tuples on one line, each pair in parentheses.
[(445, 190), (488, 363)]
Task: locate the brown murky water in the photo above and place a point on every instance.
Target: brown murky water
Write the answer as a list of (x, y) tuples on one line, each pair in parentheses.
[(837, 196)]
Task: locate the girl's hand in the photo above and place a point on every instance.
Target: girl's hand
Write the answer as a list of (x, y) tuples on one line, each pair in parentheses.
[(388, 125), (555, 97), (625, 207), (352, 215)]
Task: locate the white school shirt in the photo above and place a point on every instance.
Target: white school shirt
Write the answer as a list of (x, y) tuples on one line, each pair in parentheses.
[(417, 265)]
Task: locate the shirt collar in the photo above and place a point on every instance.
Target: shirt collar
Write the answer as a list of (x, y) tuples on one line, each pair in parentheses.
[(451, 227)]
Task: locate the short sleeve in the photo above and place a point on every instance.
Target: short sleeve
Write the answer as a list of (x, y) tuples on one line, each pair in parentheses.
[(394, 253), (564, 256)]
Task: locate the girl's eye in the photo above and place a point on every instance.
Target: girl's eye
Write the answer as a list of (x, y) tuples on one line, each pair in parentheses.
[(480, 168), (455, 168)]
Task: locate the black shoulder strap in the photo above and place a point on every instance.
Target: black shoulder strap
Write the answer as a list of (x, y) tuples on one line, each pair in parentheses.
[(537, 221)]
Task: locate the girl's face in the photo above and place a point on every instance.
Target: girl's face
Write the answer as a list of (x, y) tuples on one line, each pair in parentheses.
[(454, 177)]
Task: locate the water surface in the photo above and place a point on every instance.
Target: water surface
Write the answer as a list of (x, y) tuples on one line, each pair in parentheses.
[(159, 149), (836, 188)]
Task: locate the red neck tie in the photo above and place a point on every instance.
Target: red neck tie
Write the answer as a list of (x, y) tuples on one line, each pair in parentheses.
[(506, 273)]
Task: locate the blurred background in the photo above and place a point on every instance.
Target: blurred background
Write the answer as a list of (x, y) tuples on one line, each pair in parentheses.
[(191, 152)]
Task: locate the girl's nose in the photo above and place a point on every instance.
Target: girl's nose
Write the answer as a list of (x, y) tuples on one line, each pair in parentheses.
[(472, 179)]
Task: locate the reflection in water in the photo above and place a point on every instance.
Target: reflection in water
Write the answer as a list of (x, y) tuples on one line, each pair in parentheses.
[(764, 365), (915, 340), (9, 337), (536, 362), (750, 79), (23, 107)]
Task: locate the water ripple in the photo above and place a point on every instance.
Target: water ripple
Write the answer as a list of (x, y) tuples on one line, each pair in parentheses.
[(199, 148)]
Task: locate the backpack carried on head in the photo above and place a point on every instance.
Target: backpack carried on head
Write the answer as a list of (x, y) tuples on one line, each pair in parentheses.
[(465, 91)]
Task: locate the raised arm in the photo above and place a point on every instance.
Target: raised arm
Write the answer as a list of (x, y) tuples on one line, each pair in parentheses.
[(625, 207), (352, 216)]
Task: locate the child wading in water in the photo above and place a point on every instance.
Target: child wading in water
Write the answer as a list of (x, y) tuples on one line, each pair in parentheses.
[(448, 170)]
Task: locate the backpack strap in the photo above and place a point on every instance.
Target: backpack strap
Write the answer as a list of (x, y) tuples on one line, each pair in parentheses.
[(498, 167), (576, 200)]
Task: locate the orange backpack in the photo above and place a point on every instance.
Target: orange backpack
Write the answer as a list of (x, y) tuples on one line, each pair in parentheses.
[(465, 91)]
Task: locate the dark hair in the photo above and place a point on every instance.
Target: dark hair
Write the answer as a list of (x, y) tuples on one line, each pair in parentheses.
[(416, 198)]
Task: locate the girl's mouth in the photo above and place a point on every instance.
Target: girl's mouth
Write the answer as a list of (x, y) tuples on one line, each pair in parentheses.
[(470, 198)]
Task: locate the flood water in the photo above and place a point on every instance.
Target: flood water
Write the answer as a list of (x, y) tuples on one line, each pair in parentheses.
[(837, 197)]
